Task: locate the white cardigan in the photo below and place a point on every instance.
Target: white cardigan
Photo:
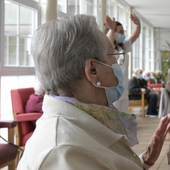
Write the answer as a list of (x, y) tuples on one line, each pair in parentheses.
[(67, 138)]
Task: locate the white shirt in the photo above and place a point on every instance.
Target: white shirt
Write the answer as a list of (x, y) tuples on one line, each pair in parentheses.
[(67, 138), (125, 67)]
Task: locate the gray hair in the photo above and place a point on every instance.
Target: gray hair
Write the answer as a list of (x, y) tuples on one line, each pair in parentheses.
[(60, 49)]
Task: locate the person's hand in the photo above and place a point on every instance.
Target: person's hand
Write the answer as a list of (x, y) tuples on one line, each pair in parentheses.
[(143, 90), (135, 19), (110, 23), (155, 145)]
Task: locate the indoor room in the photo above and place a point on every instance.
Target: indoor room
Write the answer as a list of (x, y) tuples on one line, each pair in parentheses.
[(84, 84)]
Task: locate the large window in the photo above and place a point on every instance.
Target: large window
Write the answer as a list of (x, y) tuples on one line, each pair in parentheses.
[(18, 20), (20, 23), (73, 7), (112, 8), (143, 49)]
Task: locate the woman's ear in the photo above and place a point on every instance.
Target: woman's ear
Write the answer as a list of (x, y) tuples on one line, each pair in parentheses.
[(91, 70)]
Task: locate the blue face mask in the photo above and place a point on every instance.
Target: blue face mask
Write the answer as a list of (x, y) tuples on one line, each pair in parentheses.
[(140, 76), (120, 38), (147, 78), (114, 93)]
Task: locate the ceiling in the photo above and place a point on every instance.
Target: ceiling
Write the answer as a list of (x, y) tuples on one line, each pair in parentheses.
[(157, 12)]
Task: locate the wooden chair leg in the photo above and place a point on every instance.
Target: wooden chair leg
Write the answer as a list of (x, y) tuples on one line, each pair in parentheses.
[(143, 105), (130, 109), (12, 166), (143, 111)]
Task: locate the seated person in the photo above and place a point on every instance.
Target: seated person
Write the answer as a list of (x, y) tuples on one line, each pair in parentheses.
[(80, 129), (138, 85), (164, 106), (151, 84), (34, 103), (147, 77)]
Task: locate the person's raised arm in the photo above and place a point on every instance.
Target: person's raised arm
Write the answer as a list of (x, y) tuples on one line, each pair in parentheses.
[(136, 32), (111, 24)]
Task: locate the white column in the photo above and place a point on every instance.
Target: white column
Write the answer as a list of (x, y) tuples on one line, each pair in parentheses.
[(51, 11), (130, 54), (104, 13)]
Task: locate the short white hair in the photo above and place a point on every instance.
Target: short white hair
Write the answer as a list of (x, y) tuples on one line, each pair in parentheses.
[(146, 73)]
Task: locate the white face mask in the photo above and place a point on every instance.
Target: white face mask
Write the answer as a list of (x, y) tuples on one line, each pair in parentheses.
[(113, 93)]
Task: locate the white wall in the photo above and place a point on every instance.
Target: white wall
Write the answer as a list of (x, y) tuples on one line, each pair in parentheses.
[(164, 36)]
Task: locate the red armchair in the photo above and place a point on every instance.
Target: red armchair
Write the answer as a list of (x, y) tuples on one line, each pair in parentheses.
[(155, 87), (25, 127), (8, 152)]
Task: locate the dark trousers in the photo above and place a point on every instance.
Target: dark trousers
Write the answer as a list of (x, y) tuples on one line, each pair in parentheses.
[(152, 99)]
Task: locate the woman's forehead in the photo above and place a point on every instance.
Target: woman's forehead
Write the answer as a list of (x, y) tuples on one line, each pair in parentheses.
[(120, 29)]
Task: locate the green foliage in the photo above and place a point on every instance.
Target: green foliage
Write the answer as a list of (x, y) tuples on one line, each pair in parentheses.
[(158, 76)]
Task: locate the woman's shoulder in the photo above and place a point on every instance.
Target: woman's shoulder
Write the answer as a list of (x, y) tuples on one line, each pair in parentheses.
[(127, 45)]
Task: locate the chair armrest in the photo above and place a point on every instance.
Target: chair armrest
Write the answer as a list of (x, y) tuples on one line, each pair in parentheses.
[(7, 123), (155, 85), (28, 117)]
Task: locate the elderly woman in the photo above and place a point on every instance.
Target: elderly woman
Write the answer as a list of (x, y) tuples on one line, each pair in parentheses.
[(80, 129)]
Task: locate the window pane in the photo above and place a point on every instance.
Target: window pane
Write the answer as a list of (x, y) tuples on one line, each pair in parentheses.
[(6, 86), (5, 50), (62, 7), (111, 8), (120, 14), (90, 7), (71, 7), (126, 28), (43, 5), (22, 51), (17, 46), (10, 17), (26, 16), (11, 52), (25, 58)]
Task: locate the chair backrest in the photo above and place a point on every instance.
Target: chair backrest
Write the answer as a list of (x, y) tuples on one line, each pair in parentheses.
[(138, 103), (24, 127), (19, 99)]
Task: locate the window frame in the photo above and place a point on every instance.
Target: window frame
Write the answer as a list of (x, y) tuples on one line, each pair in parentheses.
[(16, 70)]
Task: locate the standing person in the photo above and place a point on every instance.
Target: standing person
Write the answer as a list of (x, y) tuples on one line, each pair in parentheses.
[(79, 130), (115, 33)]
